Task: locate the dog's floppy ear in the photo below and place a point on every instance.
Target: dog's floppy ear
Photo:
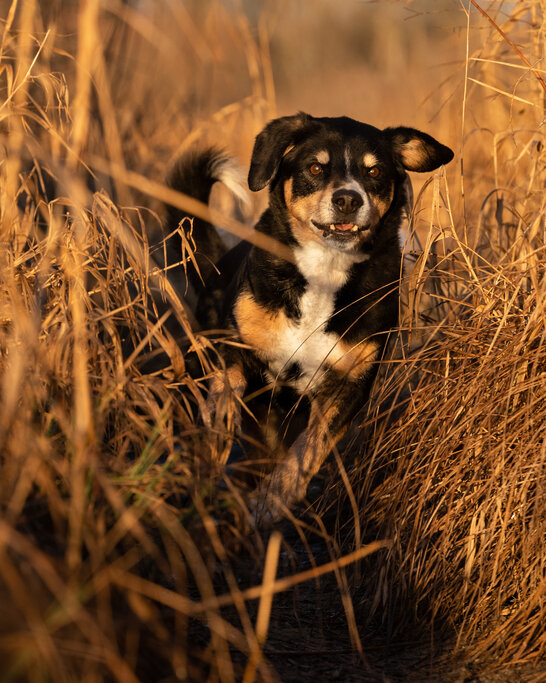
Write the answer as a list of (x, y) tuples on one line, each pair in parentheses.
[(270, 146), (417, 151)]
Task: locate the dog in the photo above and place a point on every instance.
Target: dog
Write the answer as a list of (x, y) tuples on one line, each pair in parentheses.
[(312, 330)]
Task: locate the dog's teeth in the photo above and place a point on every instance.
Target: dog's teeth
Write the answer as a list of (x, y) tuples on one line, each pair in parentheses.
[(354, 228), (332, 227)]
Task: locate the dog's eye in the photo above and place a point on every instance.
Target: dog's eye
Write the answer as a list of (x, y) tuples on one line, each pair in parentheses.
[(315, 168), (374, 172)]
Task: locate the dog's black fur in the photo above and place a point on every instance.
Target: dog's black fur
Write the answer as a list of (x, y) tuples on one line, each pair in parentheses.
[(315, 328)]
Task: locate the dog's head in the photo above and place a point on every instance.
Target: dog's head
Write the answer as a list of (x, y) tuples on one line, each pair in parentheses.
[(337, 177)]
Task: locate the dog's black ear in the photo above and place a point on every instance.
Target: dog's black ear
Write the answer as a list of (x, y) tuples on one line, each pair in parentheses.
[(417, 151), (269, 147)]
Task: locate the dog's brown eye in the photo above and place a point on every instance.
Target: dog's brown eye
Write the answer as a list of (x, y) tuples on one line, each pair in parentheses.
[(374, 172), (315, 169)]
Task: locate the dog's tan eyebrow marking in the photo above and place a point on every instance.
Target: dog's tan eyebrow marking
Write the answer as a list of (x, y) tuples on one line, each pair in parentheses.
[(323, 157), (370, 160)]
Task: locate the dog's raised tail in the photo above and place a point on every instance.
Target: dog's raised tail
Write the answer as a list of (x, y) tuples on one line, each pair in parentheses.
[(194, 174)]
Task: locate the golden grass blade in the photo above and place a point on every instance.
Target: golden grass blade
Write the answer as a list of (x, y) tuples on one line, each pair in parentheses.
[(264, 608), (189, 607), (512, 45), (88, 44), (503, 92), (509, 64), (195, 207)]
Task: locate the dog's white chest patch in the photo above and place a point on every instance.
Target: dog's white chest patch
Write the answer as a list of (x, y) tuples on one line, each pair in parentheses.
[(305, 341)]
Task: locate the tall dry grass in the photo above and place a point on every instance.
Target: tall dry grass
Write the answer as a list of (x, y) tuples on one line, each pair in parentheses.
[(123, 554)]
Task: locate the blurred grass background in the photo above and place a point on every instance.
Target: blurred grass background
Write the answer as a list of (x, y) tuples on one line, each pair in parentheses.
[(421, 553)]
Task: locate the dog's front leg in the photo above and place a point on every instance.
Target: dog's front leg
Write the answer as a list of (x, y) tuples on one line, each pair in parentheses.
[(331, 414), (290, 479)]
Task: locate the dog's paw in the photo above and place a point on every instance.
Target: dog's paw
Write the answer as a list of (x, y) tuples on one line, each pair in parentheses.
[(265, 510)]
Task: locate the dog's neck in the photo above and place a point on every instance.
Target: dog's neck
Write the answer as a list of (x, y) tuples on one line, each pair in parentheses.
[(326, 267)]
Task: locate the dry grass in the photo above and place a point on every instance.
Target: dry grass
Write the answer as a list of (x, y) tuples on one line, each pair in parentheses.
[(121, 557)]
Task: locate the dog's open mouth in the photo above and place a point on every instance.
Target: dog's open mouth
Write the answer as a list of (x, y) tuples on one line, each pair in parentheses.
[(341, 229)]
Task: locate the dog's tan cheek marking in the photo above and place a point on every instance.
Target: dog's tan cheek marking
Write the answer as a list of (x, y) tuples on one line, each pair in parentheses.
[(259, 327), (382, 204), (355, 360), (288, 192), (301, 210), (302, 233)]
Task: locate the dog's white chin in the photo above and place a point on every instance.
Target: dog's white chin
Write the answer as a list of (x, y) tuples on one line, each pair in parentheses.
[(346, 243)]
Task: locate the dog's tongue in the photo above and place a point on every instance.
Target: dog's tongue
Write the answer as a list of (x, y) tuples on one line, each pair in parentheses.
[(344, 226)]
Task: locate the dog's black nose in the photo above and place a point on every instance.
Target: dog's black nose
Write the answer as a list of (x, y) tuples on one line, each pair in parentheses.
[(347, 201)]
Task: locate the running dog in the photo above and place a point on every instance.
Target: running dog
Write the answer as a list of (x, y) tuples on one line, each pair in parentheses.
[(312, 330)]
